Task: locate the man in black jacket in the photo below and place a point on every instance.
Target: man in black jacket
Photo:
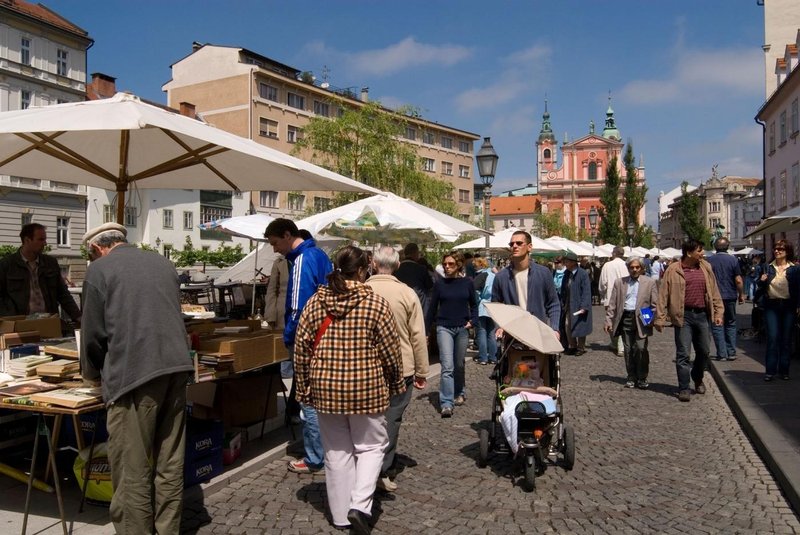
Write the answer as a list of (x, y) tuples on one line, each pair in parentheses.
[(31, 281)]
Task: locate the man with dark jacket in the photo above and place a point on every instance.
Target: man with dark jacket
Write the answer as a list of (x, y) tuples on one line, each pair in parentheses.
[(527, 284), (731, 288), (133, 338), (415, 275), (31, 281), (576, 305), (308, 268)]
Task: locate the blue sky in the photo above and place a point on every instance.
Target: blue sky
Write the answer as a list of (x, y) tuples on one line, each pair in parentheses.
[(685, 76)]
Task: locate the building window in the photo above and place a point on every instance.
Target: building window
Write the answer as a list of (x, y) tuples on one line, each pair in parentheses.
[(783, 189), (62, 231), (268, 199), (771, 137), (428, 165), (592, 173), (463, 195), (108, 213), (783, 127), (166, 217), (130, 216), (546, 154), (26, 219), (428, 138), (293, 134), (321, 204), (24, 99), (772, 193), (322, 108), (268, 92), (296, 101), (61, 63), (168, 251), (463, 171), (796, 182), (447, 168), (795, 119), (411, 133), (713, 206), (297, 202), (25, 51), (464, 146), (188, 220), (582, 222), (267, 128), (209, 214), (447, 142)]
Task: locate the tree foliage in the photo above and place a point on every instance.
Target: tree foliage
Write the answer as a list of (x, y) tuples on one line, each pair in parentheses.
[(689, 216), (611, 230), (552, 224), (364, 144), (223, 255)]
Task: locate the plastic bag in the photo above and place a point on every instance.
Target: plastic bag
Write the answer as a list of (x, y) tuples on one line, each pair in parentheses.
[(99, 487)]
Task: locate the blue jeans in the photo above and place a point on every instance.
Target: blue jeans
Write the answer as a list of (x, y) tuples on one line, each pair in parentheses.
[(487, 343), (452, 350), (693, 333), (779, 317), (312, 441), (725, 335)]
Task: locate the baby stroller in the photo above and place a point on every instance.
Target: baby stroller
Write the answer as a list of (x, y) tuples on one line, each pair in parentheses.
[(527, 412)]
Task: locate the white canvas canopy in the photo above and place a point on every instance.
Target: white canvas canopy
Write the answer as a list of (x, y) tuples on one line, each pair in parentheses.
[(122, 143), (500, 240), (568, 245)]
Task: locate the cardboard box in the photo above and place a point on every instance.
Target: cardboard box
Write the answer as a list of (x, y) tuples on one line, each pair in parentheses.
[(49, 327), (17, 339), (203, 437), (237, 401), (202, 468), (248, 351)]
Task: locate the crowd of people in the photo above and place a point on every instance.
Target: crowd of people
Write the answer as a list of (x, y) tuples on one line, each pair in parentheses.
[(358, 330)]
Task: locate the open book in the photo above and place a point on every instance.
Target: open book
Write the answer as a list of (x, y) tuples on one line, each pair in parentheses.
[(70, 397)]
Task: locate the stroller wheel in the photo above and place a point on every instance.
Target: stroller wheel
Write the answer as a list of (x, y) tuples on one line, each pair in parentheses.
[(483, 453), (569, 447), (530, 473)]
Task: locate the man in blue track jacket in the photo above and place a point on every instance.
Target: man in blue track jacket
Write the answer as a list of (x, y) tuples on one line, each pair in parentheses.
[(308, 268)]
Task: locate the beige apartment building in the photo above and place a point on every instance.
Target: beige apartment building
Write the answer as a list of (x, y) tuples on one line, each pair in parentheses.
[(269, 102)]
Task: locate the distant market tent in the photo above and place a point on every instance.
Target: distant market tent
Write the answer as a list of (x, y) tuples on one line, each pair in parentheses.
[(122, 143)]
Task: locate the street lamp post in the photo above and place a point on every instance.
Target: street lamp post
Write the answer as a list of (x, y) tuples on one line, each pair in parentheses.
[(658, 243), (487, 165), (593, 226), (631, 229)]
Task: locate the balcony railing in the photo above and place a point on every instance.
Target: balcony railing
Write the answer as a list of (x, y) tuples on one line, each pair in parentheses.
[(42, 185)]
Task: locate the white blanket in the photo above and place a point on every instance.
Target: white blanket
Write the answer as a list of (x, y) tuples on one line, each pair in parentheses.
[(508, 418)]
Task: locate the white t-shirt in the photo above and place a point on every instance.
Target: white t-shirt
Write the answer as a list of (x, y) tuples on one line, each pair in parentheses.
[(521, 282)]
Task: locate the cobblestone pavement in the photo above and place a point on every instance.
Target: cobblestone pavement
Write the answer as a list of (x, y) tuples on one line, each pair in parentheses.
[(646, 463)]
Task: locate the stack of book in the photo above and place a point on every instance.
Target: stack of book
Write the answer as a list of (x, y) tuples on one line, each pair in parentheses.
[(72, 397), (26, 366), (59, 369), (220, 364), (25, 389)]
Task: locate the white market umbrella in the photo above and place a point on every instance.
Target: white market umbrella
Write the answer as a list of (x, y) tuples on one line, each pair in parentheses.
[(747, 251), (568, 245), (388, 218), (525, 327), (122, 143), (500, 241), (604, 251), (670, 252)]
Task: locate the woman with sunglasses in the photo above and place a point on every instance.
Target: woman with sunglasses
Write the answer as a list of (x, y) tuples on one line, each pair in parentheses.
[(454, 307), (779, 299)]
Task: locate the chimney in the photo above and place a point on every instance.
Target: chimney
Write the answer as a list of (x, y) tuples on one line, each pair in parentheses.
[(187, 109), (365, 94), (101, 86), (196, 46)]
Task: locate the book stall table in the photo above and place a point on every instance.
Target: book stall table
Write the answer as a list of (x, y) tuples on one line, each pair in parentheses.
[(57, 412)]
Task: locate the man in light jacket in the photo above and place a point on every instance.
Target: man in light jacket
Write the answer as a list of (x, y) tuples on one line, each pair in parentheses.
[(410, 320), (624, 317)]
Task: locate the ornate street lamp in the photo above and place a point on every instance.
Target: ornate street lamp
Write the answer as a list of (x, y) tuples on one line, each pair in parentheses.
[(487, 165), (593, 226), (658, 242), (631, 229)]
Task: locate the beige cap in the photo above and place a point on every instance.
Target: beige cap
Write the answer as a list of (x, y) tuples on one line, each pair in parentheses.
[(105, 227)]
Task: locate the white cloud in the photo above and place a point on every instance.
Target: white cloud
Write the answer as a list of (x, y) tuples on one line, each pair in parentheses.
[(406, 54), (522, 68), (700, 76), (517, 121)]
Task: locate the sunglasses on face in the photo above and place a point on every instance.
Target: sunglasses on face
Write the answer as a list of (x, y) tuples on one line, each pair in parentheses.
[(780, 248), (516, 243), (448, 263)]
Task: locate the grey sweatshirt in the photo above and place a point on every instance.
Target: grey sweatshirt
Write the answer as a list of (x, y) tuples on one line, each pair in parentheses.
[(131, 330)]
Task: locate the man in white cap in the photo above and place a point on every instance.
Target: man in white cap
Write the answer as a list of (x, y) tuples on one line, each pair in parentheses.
[(133, 338)]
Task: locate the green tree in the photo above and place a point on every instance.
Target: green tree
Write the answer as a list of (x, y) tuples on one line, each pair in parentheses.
[(552, 224), (6, 250), (364, 144), (611, 230), (635, 195), (689, 216)]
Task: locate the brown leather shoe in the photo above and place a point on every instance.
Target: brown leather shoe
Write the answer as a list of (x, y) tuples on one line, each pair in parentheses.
[(685, 395), (700, 388)]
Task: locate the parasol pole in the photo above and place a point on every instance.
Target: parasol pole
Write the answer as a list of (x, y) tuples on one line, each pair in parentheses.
[(255, 275), (122, 180)]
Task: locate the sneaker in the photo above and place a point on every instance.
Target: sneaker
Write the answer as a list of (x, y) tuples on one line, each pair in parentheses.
[(385, 484), (630, 384), (768, 378), (447, 412), (299, 466), (785, 377), (700, 388), (643, 385), (460, 400), (685, 395), (731, 357), (483, 363), (720, 359)]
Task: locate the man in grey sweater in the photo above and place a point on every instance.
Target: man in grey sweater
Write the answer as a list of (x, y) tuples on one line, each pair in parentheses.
[(133, 338)]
